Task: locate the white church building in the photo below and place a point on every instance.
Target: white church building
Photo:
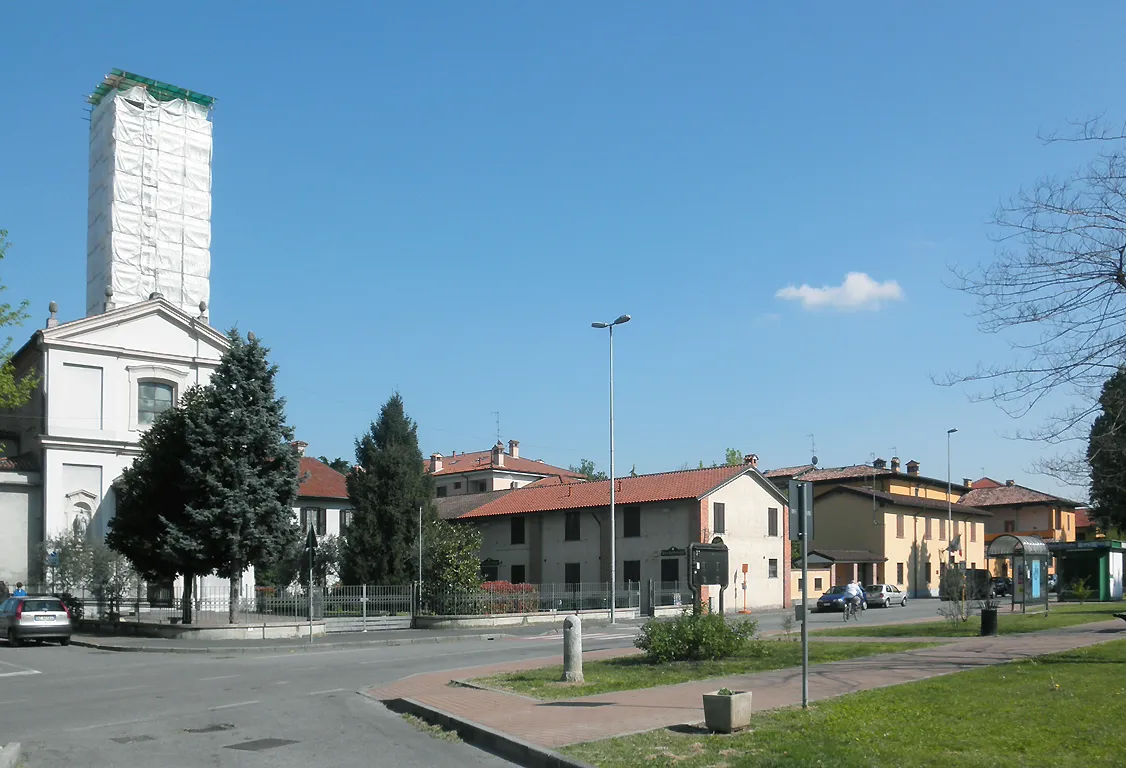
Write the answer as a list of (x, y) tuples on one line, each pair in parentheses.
[(145, 336)]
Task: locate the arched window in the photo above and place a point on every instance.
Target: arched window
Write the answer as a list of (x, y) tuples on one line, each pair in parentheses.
[(153, 398)]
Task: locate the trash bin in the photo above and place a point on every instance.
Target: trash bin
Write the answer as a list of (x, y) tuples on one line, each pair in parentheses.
[(988, 622)]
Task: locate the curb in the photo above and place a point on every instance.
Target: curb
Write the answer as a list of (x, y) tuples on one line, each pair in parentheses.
[(277, 649), (10, 755), (509, 747)]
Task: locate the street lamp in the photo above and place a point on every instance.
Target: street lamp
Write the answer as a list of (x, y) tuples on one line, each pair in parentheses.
[(613, 531), (949, 505)]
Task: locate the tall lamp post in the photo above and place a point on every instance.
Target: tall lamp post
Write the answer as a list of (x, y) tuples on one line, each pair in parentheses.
[(613, 530), (950, 517)]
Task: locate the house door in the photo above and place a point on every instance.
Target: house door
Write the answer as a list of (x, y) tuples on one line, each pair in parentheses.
[(669, 587)]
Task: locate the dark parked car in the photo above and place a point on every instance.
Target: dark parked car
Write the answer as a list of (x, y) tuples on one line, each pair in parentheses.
[(38, 617), (833, 600), (1002, 586)]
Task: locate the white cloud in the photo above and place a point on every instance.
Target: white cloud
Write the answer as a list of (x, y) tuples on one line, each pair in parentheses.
[(857, 292)]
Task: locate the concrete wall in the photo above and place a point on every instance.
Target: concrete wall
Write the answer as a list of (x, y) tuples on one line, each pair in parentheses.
[(21, 521), (494, 479), (746, 536), (822, 575)]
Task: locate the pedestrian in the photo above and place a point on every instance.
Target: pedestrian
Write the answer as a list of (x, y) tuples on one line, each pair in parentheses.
[(20, 591), (4, 593)]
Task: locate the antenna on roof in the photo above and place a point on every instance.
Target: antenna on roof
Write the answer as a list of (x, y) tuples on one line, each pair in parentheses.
[(497, 414)]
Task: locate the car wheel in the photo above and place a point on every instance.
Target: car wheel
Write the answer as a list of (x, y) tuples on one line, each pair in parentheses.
[(887, 602), (64, 641), (904, 602), (13, 639)]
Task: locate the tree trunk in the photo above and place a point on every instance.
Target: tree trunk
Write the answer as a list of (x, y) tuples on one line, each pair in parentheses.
[(186, 602), (236, 591)]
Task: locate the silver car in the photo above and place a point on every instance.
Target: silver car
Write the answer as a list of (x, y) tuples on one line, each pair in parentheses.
[(884, 595), (38, 617)]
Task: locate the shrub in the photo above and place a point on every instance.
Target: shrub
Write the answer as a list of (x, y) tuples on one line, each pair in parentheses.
[(506, 597), (697, 637), (73, 603)]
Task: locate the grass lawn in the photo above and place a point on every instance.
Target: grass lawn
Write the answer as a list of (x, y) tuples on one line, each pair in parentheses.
[(1066, 709), (1066, 615), (630, 672)]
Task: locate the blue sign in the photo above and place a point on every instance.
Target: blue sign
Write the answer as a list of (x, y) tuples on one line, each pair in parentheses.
[(1035, 579)]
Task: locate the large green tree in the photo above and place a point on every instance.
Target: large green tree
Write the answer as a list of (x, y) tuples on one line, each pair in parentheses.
[(450, 557), (241, 461), (1106, 453), (15, 389), (158, 524), (387, 490), (340, 465)]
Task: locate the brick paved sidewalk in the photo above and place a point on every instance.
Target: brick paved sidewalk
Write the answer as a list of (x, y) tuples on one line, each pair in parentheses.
[(553, 724)]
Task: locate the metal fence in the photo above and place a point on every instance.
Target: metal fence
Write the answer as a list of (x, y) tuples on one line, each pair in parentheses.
[(499, 598), (672, 593), (210, 605)]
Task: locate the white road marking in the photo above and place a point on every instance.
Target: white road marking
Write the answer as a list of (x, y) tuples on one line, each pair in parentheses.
[(112, 725), (20, 673), (331, 690), (280, 682), (12, 701), (130, 688), (236, 704), (220, 677)]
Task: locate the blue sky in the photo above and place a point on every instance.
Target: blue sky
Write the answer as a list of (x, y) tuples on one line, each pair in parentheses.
[(439, 198)]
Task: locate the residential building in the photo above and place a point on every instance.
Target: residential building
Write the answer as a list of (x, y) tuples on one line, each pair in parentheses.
[(322, 497), (879, 524), (1022, 511), (491, 470), (559, 533)]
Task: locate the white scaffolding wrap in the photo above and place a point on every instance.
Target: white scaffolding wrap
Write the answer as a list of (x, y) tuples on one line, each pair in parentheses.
[(149, 218)]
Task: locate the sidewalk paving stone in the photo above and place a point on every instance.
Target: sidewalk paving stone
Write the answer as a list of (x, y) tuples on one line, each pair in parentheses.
[(552, 724)]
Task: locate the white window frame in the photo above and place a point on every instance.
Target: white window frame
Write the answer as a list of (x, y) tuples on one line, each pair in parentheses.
[(155, 374)]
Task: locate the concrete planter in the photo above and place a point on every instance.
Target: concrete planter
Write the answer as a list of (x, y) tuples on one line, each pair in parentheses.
[(727, 714)]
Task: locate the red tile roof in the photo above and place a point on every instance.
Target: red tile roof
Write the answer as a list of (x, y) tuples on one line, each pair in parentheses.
[(987, 482), (904, 500), (1083, 519), (788, 471), (667, 486), (1009, 494), (479, 460), (555, 480), (320, 481)]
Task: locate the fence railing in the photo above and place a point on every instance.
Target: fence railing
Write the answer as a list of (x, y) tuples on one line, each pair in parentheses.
[(672, 593), (210, 605), (498, 598)]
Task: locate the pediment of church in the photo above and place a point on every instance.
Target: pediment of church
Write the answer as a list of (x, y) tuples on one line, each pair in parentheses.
[(154, 326)]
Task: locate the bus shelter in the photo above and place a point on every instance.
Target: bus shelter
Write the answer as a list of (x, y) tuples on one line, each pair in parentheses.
[(1028, 558)]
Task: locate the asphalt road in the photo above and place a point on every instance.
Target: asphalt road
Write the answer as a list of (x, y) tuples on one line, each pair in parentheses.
[(78, 706)]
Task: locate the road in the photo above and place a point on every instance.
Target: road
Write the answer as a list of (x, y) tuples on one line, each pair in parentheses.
[(78, 706)]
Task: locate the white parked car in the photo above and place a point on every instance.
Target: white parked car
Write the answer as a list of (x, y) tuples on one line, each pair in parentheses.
[(884, 595)]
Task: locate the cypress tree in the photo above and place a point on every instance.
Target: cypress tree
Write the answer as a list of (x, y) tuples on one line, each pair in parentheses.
[(241, 463), (387, 488)]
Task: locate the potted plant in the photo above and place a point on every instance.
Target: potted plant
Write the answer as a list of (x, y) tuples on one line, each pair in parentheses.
[(726, 711)]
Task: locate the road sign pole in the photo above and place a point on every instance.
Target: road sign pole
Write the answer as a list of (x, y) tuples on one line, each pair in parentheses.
[(803, 518)]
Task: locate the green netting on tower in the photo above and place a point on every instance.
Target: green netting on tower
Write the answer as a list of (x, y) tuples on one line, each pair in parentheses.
[(119, 80)]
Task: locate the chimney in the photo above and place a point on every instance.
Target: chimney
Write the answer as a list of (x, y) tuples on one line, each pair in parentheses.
[(300, 446), (514, 448), (53, 320), (879, 464), (752, 459), (913, 468), (1010, 483), (435, 463), (894, 463), (967, 482), (498, 454)]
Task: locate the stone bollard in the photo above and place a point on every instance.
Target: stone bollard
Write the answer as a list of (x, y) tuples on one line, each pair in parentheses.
[(572, 650)]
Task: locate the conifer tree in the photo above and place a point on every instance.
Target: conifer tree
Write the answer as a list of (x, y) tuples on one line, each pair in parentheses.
[(387, 489), (156, 525), (241, 461), (1106, 454)]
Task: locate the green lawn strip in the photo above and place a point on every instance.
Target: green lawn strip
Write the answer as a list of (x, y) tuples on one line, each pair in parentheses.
[(632, 672), (1059, 616), (1010, 714)]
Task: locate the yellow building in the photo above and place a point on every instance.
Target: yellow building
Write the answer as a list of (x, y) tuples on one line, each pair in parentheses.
[(1022, 511), (898, 525)]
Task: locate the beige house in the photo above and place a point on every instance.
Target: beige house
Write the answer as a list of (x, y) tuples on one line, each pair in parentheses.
[(1024, 512), (491, 470), (559, 533), (893, 520)]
